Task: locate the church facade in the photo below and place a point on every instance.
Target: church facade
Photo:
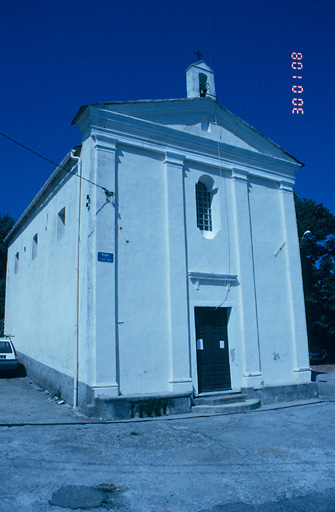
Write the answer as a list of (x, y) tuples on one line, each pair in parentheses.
[(161, 260)]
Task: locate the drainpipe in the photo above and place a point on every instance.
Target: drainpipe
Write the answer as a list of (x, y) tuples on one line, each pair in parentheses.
[(76, 371)]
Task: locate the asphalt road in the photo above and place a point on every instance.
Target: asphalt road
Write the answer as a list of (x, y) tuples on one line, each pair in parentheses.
[(270, 460)]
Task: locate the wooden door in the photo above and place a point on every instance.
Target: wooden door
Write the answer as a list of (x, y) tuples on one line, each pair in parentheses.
[(212, 349)]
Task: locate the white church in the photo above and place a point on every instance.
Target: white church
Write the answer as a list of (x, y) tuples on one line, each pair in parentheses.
[(160, 262)]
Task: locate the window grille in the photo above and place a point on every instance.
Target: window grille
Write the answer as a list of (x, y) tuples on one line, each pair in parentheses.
[(204, 210)]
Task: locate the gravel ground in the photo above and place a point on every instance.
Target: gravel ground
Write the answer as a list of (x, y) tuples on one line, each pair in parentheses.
[(269, 460)]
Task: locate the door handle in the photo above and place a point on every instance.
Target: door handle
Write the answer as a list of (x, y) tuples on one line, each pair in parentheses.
[(200, 344)]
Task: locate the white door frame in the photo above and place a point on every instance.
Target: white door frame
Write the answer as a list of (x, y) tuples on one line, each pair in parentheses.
[(234, 358)]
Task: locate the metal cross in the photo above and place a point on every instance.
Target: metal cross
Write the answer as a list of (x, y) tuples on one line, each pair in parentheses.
[(198, 54)]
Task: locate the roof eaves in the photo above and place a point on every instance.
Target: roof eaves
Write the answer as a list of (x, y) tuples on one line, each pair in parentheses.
[(198, 64), (267, 139), (48, 184), (131, 102)]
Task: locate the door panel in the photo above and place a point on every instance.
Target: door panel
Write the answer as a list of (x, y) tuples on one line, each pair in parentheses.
[(213, 358)]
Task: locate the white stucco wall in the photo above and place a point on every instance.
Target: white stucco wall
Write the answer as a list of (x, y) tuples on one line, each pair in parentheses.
[(41, 295), (271, 283)]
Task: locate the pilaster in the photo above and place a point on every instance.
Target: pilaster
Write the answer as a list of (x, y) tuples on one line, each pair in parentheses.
[(295, 288), (106, 340), (252, 374), (180, 380)]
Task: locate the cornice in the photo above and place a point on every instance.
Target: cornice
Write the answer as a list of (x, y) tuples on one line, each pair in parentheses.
[(286, 186), (202, 277), (251, 135), (139, 132), (174, 159), (104, 142), (201, 64), (243, 174), (159, 138), (240, 175)]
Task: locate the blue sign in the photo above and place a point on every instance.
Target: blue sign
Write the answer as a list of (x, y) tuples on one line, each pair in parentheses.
[(106, 257)]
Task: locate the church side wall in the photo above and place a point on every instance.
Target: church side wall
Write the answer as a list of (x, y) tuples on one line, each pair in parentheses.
[(41, 283)]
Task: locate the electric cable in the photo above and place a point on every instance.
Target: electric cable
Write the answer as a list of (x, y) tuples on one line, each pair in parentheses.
[(107, 192), (226, 208)]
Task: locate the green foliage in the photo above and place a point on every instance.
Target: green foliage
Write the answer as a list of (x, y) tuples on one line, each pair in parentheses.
[(6, 224), (318, 268)]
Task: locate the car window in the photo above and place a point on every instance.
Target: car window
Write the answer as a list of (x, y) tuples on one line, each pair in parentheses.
[(5, 347)]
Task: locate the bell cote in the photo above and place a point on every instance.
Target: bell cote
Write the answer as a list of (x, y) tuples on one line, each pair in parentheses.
[(200, 81)]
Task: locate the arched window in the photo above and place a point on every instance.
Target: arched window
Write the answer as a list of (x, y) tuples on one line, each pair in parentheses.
[(204, 207), (202, 85)]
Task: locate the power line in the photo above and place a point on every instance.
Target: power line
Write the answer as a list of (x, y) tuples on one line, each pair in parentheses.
[(107, 192)]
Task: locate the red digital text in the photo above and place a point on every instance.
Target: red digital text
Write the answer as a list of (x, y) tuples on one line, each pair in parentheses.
[(297, 88)]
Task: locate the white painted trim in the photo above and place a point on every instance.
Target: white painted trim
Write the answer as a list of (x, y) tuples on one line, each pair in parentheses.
[(182, 106), (199, 277), (141, 132), (104, 142), (180, 381), (174, 159)]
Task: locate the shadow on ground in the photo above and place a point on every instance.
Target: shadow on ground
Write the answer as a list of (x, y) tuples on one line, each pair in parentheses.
[(314, 502), (315, 374), (10, 374)]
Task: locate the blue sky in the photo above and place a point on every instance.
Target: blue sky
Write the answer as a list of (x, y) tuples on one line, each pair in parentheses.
[(58, 55)]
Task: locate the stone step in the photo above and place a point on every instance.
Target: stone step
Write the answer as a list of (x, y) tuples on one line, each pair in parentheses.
[(247, 405), (219, 398)]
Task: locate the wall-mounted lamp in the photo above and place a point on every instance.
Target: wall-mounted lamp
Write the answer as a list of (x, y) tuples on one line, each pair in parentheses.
[(307, 233)]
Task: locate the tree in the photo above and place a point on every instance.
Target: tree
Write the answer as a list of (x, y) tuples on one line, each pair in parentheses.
[(317, 250), (6, 224)]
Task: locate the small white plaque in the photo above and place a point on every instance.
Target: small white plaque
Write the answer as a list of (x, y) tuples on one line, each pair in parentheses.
[(200, 344), (221, 343)]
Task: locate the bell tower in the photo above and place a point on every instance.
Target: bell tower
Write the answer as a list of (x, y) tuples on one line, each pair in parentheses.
[(200, 81)]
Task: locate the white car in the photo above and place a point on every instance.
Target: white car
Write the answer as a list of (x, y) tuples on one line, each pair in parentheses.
[(8, 355)]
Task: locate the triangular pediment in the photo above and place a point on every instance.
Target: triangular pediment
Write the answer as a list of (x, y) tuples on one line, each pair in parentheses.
[(202, 117), (200, 64)]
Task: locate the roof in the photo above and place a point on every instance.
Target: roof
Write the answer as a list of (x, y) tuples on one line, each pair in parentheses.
[(200, 64), (75, 152)]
